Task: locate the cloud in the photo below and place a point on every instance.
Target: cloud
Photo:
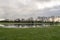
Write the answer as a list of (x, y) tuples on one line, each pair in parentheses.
[(25, 8)]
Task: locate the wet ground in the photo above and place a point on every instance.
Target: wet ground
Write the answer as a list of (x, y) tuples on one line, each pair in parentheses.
[(23, 26)]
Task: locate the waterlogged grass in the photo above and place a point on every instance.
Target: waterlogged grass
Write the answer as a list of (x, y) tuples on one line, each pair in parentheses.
[(50, 33)]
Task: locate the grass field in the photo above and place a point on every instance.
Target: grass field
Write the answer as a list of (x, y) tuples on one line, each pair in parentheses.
[(49, 33)]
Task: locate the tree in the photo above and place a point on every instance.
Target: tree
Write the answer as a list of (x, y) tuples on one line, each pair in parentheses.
[(17, 20)]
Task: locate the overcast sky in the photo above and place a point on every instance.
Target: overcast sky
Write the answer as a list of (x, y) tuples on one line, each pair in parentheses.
[(29, 8)]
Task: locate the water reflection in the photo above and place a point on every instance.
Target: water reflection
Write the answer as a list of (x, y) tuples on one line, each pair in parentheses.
[(23, 25)]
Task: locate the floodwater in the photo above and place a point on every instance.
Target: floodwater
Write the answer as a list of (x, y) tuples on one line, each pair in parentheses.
[(23, 26)]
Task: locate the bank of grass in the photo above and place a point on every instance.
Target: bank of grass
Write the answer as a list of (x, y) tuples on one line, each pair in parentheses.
[(49, 33)]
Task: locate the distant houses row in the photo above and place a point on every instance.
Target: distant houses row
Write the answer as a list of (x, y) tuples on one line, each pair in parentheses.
[(49, 19), (44, 19)]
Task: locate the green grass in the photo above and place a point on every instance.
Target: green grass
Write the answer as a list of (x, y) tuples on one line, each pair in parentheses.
[(50, 33)]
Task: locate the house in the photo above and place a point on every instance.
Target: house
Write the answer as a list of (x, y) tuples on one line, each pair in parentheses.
[(54, 19)]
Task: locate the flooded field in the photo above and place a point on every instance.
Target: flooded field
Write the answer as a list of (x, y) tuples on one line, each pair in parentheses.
[(23, 25)]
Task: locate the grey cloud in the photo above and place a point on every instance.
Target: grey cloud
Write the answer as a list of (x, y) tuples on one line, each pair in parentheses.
[(44, 0), (21, 9), (55, 11)]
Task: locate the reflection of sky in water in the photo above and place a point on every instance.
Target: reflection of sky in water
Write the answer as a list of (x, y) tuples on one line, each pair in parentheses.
[(23, 26)]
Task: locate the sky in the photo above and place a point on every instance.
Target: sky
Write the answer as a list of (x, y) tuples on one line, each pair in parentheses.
[(29, 8)]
